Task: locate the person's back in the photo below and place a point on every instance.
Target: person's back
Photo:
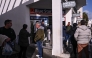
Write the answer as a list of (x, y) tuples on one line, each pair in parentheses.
[(83, 33), (23, 41), (23, 37), (82, 36)]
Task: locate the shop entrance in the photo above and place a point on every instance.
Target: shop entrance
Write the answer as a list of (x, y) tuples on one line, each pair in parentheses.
[(47, 20)]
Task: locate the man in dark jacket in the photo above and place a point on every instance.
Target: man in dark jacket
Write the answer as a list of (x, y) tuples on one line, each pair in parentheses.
[(39, 37), (73, 41), (7, 30), (23, 41)]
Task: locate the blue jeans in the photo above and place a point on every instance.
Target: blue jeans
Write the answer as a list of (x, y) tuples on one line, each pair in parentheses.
[(67, 38), (40, 49)]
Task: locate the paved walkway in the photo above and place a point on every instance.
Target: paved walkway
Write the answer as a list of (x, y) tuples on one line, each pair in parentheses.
[(47, 53)]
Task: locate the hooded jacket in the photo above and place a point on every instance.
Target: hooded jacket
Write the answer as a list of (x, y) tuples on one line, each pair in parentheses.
[(82, 34), (39, 34), (2, 39)]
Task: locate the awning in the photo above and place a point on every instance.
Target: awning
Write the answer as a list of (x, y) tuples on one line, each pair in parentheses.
[(47, 4)]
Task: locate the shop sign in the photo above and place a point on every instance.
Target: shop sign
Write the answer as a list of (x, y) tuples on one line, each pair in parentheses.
[(69, 4), (76, 15), (40, 11), (38, 17)]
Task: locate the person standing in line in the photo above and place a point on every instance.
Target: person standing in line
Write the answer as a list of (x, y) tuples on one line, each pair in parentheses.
[(49, 35), (83, 36), (45, 28), (39, 37), (73, 41), (3, 40), (64, 39), (23, 41), (35, 29), (68, 32), (7, 30)]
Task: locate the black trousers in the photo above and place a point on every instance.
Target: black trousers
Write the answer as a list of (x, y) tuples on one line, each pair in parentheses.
[(22, 53), (0, 52), (74, 44)]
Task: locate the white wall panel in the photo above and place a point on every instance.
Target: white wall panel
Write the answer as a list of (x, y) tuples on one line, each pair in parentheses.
[(1, 8), (11, 5), (5, 7), (69, 16), (17, 3), (0, 2), (24, 1)]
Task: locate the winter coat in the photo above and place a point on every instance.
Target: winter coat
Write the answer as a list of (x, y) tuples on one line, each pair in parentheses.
[(39, 34), (82, 34), (69, 30), (23, 38)]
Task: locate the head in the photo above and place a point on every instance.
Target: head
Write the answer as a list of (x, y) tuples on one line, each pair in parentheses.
[(42, 21), (68, 24), (24, 26), (83, 22), (75, 25), (37, 21), (38, 24), (8, 23)]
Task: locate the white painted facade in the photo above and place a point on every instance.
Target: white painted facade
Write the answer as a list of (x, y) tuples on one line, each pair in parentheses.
[(90, 22), (18, 12)]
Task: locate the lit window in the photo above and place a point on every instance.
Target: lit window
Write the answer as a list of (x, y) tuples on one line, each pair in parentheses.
[(2, 5), (5, 7), (17, 3), (11, 5)]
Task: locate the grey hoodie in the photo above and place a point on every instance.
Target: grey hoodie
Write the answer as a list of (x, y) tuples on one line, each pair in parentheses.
[(82, 34)]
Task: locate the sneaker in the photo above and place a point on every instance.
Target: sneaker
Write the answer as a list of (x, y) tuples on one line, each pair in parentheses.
[(37, 56)]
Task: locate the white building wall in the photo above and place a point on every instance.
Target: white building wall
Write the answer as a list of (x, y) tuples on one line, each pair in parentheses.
[(81, 12), (69, 16), (17, 12)]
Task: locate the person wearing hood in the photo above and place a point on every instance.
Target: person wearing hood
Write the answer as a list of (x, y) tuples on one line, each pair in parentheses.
[(23, 41), (39, 37), (82, 36), (3, 39)]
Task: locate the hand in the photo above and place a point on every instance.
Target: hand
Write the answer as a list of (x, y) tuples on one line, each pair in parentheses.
[(7, 40)]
